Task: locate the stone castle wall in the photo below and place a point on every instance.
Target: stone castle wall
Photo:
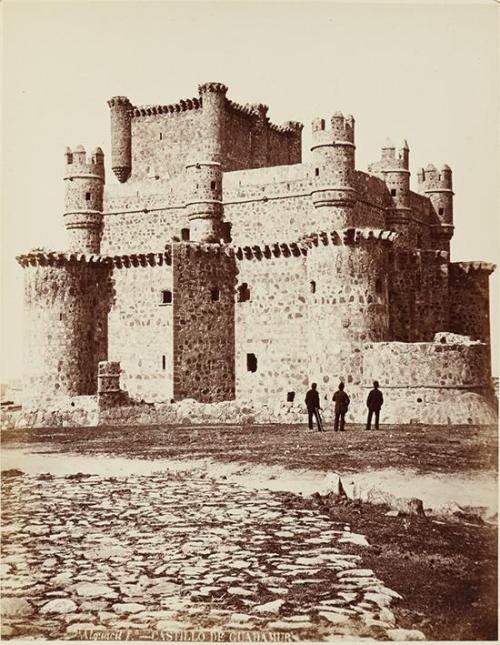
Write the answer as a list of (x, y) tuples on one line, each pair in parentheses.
[(469, 299), (445, 381), (271, 325), (162, 144), (141, 329), (203, 322)]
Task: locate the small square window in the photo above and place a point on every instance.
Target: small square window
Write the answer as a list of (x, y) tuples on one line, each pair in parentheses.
[(166, 297), (185, 235), (215, 295), (212, 185), (441, 211), (251, 363), (243, 293), (393, 192), (316, 172), (87, 196)]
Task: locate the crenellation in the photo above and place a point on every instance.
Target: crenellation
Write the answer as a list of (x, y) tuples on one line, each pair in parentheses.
[(222, 266)]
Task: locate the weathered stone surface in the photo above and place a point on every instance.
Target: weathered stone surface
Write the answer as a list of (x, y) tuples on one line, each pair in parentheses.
[(59, 606), (405, 635), (15, 607), (128, 608), (162, 586)]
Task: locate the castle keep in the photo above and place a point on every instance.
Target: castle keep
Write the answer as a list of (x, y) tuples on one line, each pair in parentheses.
[(218, 266)]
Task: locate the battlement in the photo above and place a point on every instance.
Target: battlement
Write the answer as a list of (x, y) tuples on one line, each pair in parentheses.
[(211, 86), (431, 179), (78, 163), (340, 237), (183, 105), (472, 267), (122, 101), (54, 258), (392, 159), (341, 130)]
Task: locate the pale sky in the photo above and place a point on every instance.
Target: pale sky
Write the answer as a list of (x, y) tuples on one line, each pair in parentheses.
[(424, 72)]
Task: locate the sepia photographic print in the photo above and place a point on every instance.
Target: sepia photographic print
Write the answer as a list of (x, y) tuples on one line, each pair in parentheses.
[(249, 384)]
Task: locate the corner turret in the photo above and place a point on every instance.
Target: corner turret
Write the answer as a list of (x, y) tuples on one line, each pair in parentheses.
[(333, 161), (121, 137), (213, 101), (437, 185), (393, 168), (84, 186)]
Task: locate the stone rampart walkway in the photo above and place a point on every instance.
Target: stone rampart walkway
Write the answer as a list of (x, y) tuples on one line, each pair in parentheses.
[(176, 554)]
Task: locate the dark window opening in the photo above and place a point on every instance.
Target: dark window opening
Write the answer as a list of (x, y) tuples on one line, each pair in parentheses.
[(419, 400), (441, 211), (163, 362), (226, 231), (290, 397), (161, 136), (166, 297), (316, 171), (87, 196), (215, 295), (185, 235), (212, 185), (251, 363), (393, 192), (60, 316), (378, 286), (312, 285), (243, 293), (322, 124)]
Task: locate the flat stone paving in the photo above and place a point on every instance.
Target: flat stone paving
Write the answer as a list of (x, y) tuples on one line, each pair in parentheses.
[(172, 552)]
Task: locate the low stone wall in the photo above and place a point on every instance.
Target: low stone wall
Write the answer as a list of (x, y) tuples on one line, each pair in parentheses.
[(60, 413)]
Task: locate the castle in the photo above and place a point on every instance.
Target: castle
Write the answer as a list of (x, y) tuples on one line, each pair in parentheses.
[(221, 266)]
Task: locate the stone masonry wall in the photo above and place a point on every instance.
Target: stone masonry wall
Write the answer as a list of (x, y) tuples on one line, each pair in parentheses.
[(350, 300), (162, 144), (271, 324), (141, 331), (203, 310), (445, 381), (469, 300), (66, 330)]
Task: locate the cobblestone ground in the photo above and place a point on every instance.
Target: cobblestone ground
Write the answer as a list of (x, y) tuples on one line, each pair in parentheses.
[(171, 552)]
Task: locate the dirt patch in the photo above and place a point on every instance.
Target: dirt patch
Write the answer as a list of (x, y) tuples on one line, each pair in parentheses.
[(424, 449), (446, 571)]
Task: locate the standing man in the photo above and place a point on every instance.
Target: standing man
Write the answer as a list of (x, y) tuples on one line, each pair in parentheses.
[(312, 403), (374, 403), (341, 406)]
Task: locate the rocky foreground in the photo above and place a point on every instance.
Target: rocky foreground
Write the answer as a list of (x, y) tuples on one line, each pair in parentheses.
[(170, 556)]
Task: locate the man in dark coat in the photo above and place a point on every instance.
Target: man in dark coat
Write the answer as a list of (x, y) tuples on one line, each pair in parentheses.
[(341, 406), (374, 403), (312, 404)]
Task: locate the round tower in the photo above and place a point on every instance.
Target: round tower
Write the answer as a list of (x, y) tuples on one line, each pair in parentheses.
[(213, 101), (437, 185), (397, 174), (84, 187), (121, 137), (333, 166), (66, 300), (204, 201)]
